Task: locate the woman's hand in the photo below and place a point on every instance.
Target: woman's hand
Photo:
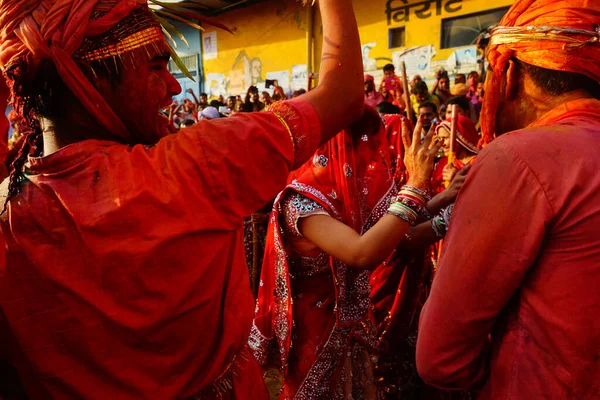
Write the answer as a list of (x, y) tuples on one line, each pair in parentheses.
[(449, 172), (419, 157), (456, 184)]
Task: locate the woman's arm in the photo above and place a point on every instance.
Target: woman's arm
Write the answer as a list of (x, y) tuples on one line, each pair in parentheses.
[(344, 243), (373, 247)]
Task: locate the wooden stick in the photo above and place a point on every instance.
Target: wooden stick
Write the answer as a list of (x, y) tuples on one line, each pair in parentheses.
[(406, 88), (453, 128), (255, 273)]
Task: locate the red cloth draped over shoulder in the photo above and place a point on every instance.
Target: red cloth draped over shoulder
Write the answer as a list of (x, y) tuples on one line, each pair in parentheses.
[(126, 276)]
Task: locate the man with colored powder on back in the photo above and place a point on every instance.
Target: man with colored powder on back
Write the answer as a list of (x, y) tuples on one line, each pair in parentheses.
[(125, 275), (514, 307)]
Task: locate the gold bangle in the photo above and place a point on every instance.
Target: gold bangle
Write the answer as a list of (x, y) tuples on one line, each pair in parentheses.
[(287, 127)]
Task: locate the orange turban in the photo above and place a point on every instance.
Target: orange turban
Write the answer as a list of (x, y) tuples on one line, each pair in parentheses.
[(561, 35), (32, 31)]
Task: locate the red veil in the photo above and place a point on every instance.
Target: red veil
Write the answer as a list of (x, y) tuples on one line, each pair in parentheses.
[(351, 178)]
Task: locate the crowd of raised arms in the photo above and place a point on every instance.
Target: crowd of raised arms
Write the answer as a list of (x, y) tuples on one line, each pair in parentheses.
[(359, 240)]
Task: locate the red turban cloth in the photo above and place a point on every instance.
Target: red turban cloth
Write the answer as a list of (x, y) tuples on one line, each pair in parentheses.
[(32, 31), (561, 35)]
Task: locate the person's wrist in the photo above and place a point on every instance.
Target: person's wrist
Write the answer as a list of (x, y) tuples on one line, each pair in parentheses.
[(418, 183)]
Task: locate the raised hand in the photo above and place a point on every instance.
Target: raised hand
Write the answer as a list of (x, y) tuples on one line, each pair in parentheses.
[(419, 157)]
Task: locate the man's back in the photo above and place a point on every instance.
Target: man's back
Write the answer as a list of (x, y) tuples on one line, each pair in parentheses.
[(126, 275), (533, 203)]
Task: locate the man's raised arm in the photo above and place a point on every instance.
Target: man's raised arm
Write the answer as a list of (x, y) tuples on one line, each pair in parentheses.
[(339, 98)]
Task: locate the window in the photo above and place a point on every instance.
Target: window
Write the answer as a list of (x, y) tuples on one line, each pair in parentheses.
[(190, 62), (464, 30), (397, 37)]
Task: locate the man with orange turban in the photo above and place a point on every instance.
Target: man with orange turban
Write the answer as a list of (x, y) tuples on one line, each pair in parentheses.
[(514, 307), (125, 275)]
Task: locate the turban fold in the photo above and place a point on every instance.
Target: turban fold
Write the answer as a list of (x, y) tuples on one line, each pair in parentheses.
[(32, 31), (561, 35)]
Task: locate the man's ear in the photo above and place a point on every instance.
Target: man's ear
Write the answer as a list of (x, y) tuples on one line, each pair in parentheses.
[(512, 80)]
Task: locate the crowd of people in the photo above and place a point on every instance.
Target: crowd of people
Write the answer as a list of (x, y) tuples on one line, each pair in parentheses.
[(190, 111), (156, 250)]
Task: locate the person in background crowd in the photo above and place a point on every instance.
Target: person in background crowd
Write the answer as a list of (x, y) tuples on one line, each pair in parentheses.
[(238, 99), (221, 100), (460, 79), (514, 307), (467, 149), (391, 83), (442, 87), (428, 114), (465, 107), (372, 96), (125, 275), (187, 123), (420, 94), (385, 108), (203, 103), (415, 79), (472, 96), (460, 89), (480, 89), (298, 93), (443, 111), (209, 113), (266, 98), (252, 102), (279, 94)]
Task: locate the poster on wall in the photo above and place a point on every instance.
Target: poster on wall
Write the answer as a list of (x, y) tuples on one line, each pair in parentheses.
[(210, 45), (236, 82), (215, 85), (464, 59), (299, 77), (369, 64), (282, 78), (417, 59)]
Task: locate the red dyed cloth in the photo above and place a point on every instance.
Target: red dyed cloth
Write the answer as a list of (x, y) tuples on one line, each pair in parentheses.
[(521, 265), (313, 317), (126, 276)]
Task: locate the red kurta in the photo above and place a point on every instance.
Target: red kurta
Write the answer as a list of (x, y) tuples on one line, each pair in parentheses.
[(522, 262), (126, 276)]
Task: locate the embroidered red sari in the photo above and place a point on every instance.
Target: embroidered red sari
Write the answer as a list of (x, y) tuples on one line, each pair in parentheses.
[(313, 316)]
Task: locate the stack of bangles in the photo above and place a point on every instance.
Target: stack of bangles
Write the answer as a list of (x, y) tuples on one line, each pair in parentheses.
[(441, 222), (411, 205)]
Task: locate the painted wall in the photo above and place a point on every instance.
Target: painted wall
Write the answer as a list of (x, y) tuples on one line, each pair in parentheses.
[(269, 40)]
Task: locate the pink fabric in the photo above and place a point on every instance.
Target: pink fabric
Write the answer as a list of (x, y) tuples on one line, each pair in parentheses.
[(373, 99), (521, 263)]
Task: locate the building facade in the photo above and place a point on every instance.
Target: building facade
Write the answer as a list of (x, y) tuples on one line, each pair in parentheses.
[(280, 40)]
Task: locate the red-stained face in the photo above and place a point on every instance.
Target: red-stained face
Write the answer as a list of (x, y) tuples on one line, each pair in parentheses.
[(140, 94)]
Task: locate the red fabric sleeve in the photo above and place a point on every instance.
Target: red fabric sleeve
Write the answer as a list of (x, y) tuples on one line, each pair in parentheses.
[(244, 161), (495, 234), (4, 128)]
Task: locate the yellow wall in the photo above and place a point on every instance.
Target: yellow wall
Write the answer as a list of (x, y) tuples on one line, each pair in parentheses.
[(274, 31), (372, 20)]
